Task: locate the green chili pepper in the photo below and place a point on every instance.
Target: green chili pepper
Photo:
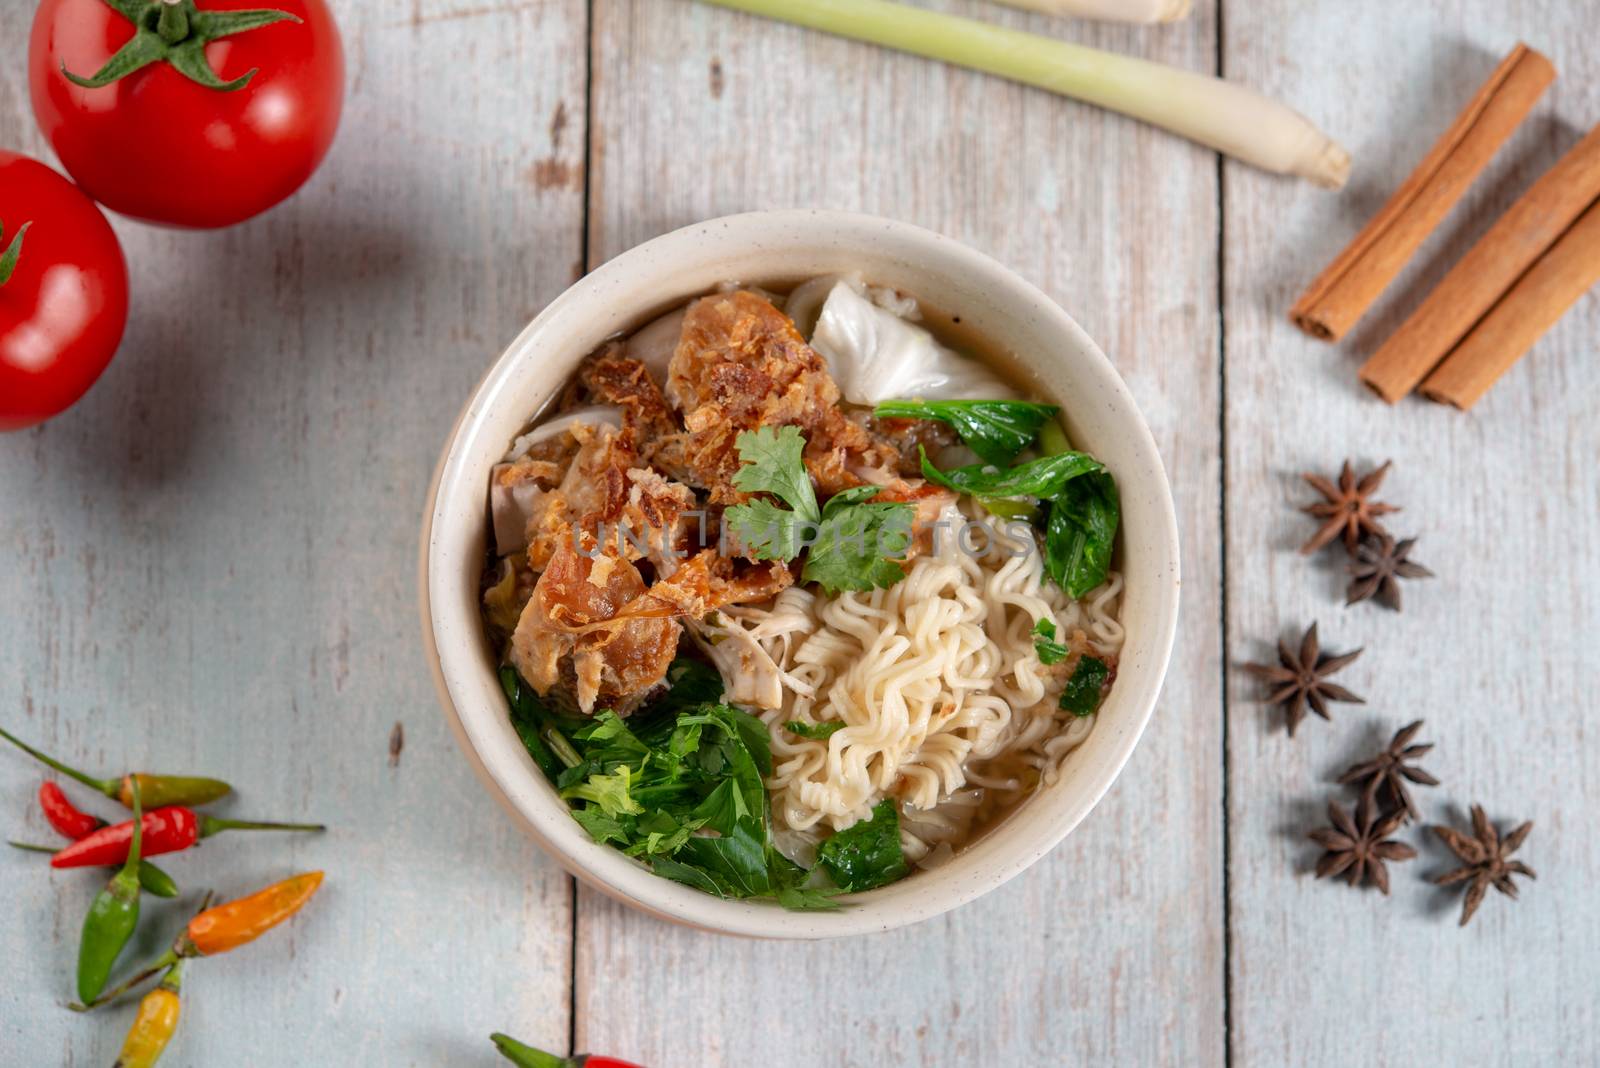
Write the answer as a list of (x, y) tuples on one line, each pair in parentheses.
[(112, 917), (153, 879), (158, 790)]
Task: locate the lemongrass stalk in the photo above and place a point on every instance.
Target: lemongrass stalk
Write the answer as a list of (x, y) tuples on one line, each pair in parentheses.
[(1227, 117), (1146, 11)]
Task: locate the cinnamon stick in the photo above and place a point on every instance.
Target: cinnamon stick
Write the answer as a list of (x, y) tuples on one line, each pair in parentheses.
[(1540, 297), (1483, 276), (1342, 293)]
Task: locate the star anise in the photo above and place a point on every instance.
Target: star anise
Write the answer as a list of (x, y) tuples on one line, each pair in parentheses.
[(1346, 508), (1485, 854), (1380, 564), (1383, 778), (1360, 845), (1302, 679)]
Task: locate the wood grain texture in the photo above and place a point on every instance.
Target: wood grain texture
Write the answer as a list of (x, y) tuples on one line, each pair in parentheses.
[(1111, 949), (1496, 654), (210, 564)]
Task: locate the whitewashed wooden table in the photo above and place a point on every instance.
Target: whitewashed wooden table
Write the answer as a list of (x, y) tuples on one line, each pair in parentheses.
[(209, 563)]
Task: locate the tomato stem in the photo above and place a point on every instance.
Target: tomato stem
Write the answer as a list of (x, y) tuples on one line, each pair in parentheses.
[(173, 25), (176, 32), (8, 259)]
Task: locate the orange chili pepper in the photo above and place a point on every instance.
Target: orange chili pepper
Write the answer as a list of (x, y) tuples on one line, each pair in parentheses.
[(154, 1025), (228, 926), (231, 925)]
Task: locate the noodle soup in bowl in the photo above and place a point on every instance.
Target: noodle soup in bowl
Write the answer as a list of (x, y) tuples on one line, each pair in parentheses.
[(799, 574)]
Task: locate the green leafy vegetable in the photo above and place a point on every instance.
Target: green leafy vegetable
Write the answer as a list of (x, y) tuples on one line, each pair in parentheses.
[(681, 786), (1001, 508), (1050, 651), (531, 719), (1081, 533), (736, 862), (690, 684), (1052, 439), (868, 854), (994, 429), (850, 541), (855, 543), (610, 791), (1082, 695), (774, 462), (807, 899), (768, 532), (1043, 477), (606, 738), (601, 827), (817, 731)]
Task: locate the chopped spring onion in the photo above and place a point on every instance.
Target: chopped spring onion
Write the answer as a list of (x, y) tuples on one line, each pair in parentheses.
[(1111, 10), (1227, 117)]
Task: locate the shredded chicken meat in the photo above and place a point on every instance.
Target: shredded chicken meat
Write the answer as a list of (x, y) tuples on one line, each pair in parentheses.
[(605, 513)]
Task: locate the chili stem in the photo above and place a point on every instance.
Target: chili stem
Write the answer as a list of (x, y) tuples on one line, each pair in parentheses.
[(210, 825), (31, 847), (130, 867), (105, 786), (166, 960)]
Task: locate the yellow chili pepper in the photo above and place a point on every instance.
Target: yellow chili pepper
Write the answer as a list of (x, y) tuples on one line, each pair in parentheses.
[(154, 1025), (231, 925)]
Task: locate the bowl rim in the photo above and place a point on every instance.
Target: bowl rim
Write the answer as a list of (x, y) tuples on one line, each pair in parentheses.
[(513, 780)]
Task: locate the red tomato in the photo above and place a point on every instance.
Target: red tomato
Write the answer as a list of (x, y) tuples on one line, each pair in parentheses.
[(63, 310), (157, 145)]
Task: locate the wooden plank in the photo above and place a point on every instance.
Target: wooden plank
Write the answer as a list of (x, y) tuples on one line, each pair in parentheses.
[(1496, 654), (210, 563), (1110, 949)]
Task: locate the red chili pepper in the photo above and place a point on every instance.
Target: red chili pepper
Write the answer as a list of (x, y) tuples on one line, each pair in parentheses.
[(166, 830), (527, 1057), (68, 820)]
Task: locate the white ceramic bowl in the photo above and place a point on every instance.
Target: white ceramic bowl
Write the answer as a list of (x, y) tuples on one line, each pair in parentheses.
[(774, 249)]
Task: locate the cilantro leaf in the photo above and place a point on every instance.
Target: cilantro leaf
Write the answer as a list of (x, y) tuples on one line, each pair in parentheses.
[(1082, 695), (855, 543), (601, 827), (690, 684), (868, 854), (994, 429), (774, 462), (848, 498), (817, 731), (768, 532), (1049, 650), (606, 739), (850, 542), (609, 791), (658, 833)]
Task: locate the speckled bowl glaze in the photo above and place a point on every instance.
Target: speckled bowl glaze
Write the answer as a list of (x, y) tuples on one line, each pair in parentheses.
[(774, 249)]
